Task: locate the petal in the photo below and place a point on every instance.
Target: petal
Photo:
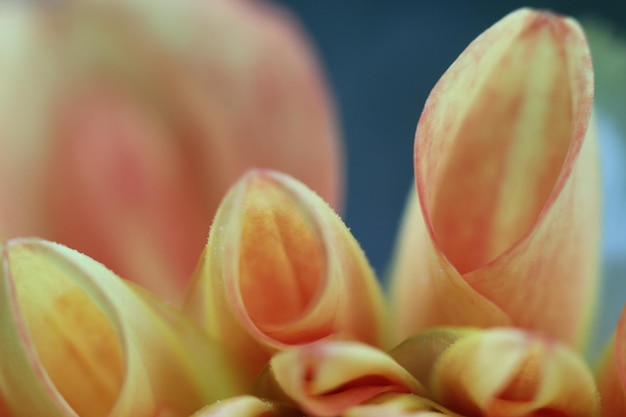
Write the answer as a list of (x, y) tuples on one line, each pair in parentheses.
[(4, 411), (328, 378), (506, 230), (612, 373), (83, 342), (133, 119), (244, 406), (281, 269), (500, 372), (399, 405)]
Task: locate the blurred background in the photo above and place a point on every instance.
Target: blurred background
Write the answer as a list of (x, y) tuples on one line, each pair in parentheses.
[(381, 60)]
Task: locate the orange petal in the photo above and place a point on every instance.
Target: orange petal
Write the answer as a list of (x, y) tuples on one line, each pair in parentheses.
[(506, 230), (500, 372), (134, 118), (281, 269), (612, 373), (4, 411), (328, 378), (83, 342)]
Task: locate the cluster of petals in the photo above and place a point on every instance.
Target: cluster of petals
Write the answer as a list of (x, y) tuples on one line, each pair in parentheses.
[(492, 286)]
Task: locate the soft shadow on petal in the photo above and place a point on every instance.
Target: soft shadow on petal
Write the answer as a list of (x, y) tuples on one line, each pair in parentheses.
[(500, 372), (505, 229), (328, 378), (612, 373), (281, 269), (426, 290), (134, 118), (83, 342)]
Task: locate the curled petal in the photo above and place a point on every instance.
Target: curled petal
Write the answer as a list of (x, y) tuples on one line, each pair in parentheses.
[(244, 406), (505, 226), (328, 378), (399, 405), (281, 269), (82, 342), (499, 372), (134, 118), (612, 373)]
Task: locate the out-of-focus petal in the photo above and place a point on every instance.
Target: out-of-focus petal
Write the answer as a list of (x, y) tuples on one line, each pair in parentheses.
[(245, 406), (499, 372), (281, 269), (399, 405), (81, 342), (125, 122), (506, 229), (329, 377), (4, 411), (612, 373)]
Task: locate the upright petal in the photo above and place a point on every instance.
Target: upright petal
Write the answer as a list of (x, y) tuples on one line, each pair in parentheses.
[(123, 123), (506, 230), (499, 372), (281, 269), (78, 341)]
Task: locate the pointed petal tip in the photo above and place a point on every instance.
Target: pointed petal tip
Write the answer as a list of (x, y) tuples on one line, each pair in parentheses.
[(274, 242), (501, 160)]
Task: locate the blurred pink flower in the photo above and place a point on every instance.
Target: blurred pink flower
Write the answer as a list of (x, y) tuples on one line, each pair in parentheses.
[(123, 123)]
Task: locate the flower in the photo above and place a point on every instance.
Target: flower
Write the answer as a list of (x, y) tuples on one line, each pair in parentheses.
[(284, 316), (125, 122)]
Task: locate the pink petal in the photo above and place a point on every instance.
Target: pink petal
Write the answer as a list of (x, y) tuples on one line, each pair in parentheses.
[(506, 231), (125, 122)]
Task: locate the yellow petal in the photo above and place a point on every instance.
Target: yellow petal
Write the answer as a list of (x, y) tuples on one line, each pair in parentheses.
[(124, 122), (612, 373), (500, 372), (244, 406), (505, 229), (281, 269), (77, 340), (328, 378)]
